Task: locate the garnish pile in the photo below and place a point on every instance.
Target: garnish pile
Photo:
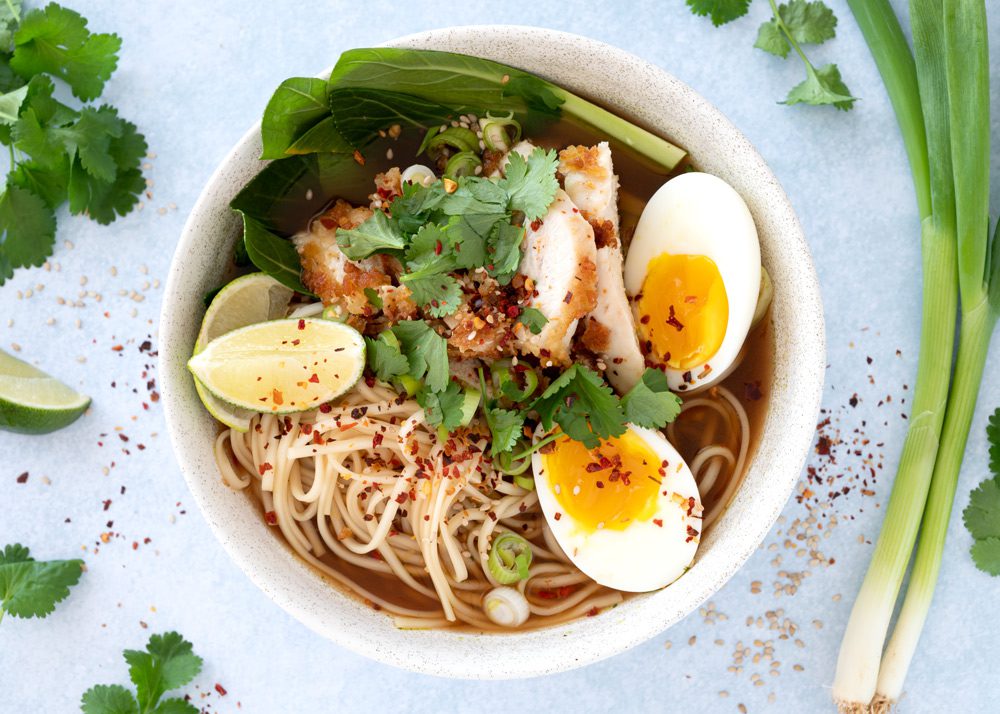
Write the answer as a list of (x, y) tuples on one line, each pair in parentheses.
[(88, 156)]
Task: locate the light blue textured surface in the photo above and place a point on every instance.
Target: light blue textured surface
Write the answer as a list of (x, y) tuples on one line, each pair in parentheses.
[(193, 76)]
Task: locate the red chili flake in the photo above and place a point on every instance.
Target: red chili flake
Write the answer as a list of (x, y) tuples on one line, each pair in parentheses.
[(154, 396), (673, 321), (23, 478), (599, 484), (593, 468), (277, 397), (658, 522), (264, 468), (358, 412), (853, 401), (569, 297), (117, 348), (271, 518), (377, 440), (438, 248), (314, 379), (751, 390), (348, 427), (645, 319), (823, 446), (536, 224), (328, 223), (558, 516), (593, 612), (221, 690), (302, 324), (325, 408), (359, 158)]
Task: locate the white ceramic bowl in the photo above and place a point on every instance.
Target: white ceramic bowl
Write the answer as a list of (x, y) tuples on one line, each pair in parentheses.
[(655, 99)]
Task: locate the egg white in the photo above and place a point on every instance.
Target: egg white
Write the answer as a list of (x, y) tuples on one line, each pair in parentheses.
[(643, 556), (700, 214)]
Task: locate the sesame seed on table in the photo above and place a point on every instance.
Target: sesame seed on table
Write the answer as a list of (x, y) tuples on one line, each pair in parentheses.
[(193, 76)]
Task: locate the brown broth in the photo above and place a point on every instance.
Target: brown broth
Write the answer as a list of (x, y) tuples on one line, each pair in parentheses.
[(638, 183)]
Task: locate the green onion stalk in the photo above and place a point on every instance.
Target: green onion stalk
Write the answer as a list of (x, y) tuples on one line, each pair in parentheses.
[(918, 92), (967, 67)]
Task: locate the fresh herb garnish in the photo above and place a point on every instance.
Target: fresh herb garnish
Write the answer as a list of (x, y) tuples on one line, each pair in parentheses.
[(31, 588), (650, 403), (982, 515), (443, 408), (475, 225), (533, 319), (583, 405), (168, 663), (426, 353), (88, 156), (792, 24)]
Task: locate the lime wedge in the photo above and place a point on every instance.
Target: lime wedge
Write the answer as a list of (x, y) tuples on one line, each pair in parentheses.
[(245, 301), (282, 366), (32, 402)]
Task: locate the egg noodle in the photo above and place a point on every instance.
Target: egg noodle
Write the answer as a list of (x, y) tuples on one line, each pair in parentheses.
[(371, 484)]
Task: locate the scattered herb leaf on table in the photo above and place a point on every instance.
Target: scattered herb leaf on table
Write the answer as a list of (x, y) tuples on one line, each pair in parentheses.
[(31, 588)]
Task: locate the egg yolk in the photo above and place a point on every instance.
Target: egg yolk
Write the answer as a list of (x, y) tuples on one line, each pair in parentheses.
[(608, 487), (683, 310)]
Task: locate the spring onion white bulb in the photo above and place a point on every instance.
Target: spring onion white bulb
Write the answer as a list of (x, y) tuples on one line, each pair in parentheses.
[(506, 607), (417, 173)]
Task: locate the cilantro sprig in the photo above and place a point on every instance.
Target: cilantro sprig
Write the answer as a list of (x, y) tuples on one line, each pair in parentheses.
[(475, 222), (982, 515), (88, 156), (792, 24), (168, 663), (31, 588)]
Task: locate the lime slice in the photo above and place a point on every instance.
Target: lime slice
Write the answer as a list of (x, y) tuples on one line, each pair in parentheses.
[(282, 366), (32, 402), (245, 301)]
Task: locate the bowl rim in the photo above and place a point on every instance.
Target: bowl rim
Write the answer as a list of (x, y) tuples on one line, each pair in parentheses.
[(811, 364)]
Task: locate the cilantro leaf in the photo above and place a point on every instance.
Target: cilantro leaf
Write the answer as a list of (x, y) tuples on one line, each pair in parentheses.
[(583, 405), (505, 427), (807, 22), (168, 663), (108, 699), (371, 294), (469, 235), (504, 251), (429, 253), (531, 184), (444, 407), (439, 295), (29, 588), (10, 15), (27, 228), (822, 86), (986, 555), (533, 319), (982, 515), (10, 104), (49, 184), (426, 351), (385, 358), (56, 41), (650, 403), (378, 234), (721, 11)]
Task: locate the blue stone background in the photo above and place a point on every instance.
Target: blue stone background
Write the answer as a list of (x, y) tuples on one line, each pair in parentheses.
[(193, 76)]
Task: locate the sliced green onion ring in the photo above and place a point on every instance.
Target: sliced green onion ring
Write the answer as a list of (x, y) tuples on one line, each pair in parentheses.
[(510, 558), (506, 463), (503, 377), (457, 137), (463, 163), (525, 482), (495, 132)]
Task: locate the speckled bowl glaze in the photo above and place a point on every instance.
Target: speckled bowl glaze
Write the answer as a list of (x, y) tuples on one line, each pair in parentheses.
[(650, 97)]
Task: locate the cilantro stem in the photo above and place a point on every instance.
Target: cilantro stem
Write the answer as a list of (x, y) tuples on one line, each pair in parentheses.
[(17, 18), (536, 446), (791, 40)]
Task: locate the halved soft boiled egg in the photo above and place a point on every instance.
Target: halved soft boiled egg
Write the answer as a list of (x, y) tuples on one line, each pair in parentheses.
[(627, 513), (693, 275)]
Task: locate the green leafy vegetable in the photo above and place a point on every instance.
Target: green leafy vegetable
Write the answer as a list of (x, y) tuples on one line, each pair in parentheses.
[(505, 427), (720, 11), (378, 234), (533, 319), (31, 588), (272, 254), (426, 351), (531, 183), (982, 515), (443, 407), (650, 403), (168, 663), (56, 41), (89, 156), (385, 357), (792, 24), (296, 106), (583, 405)]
